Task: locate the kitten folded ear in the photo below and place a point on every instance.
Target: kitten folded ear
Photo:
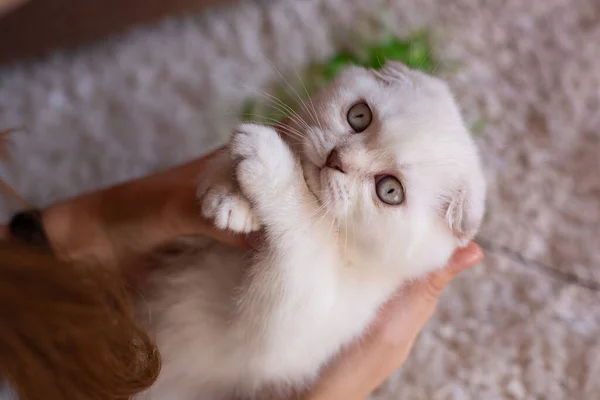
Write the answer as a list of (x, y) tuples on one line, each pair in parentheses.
[(465, 208), (392, 72), (395, 66)]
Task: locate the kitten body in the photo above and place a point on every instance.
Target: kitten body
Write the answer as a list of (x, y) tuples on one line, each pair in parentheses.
[(234, 324)]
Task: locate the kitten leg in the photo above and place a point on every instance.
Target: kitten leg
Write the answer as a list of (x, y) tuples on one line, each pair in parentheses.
[(229, 210), (220, 199), (272, 179)]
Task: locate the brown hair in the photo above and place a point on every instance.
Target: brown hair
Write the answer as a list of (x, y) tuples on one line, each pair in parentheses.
[(68, 331)]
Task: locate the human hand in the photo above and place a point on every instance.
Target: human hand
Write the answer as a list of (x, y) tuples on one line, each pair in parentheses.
[(365, 365), (119, 225)]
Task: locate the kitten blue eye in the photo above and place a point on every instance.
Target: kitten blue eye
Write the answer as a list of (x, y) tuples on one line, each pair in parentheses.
[(389, 190), (359, 117)]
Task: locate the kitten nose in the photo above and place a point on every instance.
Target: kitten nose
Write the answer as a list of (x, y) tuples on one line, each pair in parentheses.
[(334, 161)]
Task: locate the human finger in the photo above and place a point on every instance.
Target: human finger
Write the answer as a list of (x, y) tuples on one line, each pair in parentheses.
[(364, 365)]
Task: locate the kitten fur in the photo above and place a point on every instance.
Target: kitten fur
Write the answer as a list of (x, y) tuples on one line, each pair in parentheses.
[(237, 325)]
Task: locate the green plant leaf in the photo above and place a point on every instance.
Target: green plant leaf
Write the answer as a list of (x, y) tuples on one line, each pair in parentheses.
[(478, 126), (337, 64)]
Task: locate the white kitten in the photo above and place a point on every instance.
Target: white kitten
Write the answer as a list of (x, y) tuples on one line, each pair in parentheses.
[(377, 181)]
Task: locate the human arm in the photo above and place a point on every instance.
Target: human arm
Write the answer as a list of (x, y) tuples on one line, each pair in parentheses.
[(119, 224)]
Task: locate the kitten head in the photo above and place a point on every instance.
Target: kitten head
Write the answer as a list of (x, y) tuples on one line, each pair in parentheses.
[(388, 155)]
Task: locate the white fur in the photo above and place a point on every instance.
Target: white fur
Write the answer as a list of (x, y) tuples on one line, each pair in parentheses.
[(229, 325)]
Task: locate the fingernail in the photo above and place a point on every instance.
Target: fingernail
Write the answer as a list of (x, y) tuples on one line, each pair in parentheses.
[(466, 257)]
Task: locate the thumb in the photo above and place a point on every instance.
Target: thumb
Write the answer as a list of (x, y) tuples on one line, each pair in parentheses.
[(462, 259)]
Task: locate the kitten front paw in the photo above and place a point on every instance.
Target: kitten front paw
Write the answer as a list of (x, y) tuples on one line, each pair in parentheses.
[(229, 211), (265, 160)]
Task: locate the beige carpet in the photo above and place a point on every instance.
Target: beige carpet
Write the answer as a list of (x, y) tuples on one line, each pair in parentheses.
[(526, 323)]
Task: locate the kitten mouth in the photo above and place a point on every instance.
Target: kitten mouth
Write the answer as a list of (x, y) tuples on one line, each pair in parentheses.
[(317, 177), (306, 166)]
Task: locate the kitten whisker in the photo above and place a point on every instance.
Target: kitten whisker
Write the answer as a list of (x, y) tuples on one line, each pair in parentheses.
[(436, 67), (280, 106), (298, 120), (424, 59), (294, 133), (345, 240), (323, 208), (353, 222), (273, 101), (294, 92), (290, 113), (315, 114), (326, 209), (331, 227)]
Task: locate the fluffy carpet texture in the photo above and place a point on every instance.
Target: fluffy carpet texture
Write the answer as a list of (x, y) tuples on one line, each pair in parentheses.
[(523, 325)]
